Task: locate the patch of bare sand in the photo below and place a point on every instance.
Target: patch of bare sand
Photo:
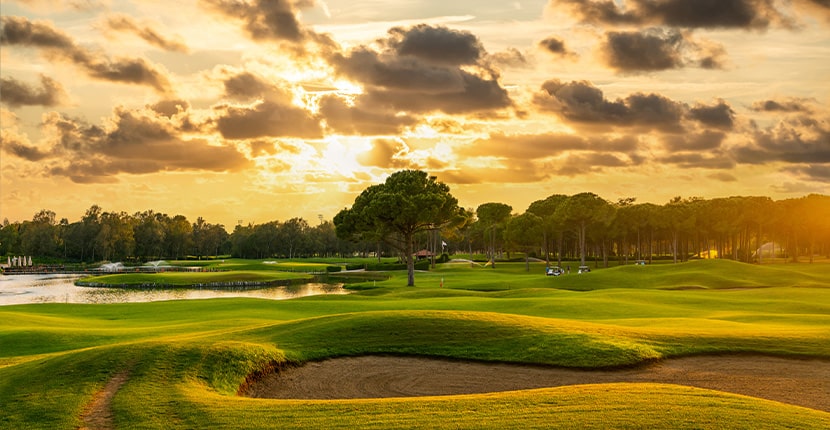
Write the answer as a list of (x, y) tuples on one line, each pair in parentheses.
[(794, 381), (98, 413)]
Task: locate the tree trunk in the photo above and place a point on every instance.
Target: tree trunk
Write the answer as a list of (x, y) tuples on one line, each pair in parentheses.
[(410, 260)]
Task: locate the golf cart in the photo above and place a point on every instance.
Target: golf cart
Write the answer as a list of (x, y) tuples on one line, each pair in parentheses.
[(584, 269), (554, 271)]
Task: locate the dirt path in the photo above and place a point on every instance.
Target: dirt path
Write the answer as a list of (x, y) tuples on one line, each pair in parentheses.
[(798, 382), (98, 413)]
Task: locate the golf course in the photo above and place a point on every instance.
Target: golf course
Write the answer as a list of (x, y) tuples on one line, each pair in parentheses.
[(701, 344)]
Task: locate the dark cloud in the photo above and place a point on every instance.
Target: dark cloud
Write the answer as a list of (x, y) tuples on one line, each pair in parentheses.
[(125, 23), (583, 103), (742, 14), (510, 57), (813, 172), (170, 107), (555, 46), (436, 44), (656, 49), (420, 78), (387, 154), (705, 141), (785, 105), (15, 93), (271, 113), (695, 160), (246, 86), (264, 19), (134, 142), (719, 115), (797, 140), (723, 177), (266, 119), (582, 164), (272, 20), (57, 45), (344, 118), (523, 146), (14, 145)]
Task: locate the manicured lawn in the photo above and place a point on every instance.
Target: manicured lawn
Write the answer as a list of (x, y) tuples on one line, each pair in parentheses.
[(187, 358)]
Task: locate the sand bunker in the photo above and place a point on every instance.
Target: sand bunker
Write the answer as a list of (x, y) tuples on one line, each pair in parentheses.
[(798, 382)]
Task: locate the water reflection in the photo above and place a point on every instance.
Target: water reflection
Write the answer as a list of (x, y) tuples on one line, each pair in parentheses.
[(25, 289)]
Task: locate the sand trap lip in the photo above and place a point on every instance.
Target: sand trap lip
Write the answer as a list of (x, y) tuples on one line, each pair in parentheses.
[(799, 382)]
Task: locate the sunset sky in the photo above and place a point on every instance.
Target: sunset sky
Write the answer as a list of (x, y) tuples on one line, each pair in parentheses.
[(253, 110)]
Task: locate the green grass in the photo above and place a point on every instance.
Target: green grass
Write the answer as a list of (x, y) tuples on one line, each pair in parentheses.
[(187, 358), (185, 279)]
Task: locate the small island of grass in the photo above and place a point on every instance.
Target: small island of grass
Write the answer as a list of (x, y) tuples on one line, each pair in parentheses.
[(241, 278)]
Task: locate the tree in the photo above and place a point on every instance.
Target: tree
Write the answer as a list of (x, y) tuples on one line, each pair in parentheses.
[(546, 209), (492, 215), (524, 232), (293, 236), (582, 210), (40, 236), (408, 202), (149, 234)]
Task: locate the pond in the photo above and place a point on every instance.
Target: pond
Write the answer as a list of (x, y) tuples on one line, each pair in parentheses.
[(25, 289)]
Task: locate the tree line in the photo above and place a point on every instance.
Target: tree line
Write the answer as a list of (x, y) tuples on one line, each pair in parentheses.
[(581, 227)]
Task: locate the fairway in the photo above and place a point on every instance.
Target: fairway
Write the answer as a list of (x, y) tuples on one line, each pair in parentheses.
[(182, 364)]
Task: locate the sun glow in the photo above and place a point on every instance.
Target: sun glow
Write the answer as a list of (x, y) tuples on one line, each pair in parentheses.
[(340, 154)]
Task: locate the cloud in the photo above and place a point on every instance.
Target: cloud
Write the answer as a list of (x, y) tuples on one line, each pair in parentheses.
[(410, 73), (791, 104), (439, 45), (125, 23), (657, 49), (57, 45), (387, 154), (344, 118), (170, 107), (740, 14), (812, 172), (719, 115), (510, 57), (14, 144), (272, 20), (802, 139), (556, 46), (695, 160), (246, 86), (264, 119), (723, 177), (132, 142), (582, 103), (16, 93), (269, 113), (60, 5), (707, 140)]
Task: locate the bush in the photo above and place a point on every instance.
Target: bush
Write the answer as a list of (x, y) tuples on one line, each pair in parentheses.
[(443, 258), (331, 269), (355, 266)]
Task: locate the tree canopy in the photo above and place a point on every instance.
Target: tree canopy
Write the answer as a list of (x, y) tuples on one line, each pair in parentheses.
[(408, 202)]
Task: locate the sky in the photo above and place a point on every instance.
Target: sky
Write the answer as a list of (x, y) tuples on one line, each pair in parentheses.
[(249, 111)]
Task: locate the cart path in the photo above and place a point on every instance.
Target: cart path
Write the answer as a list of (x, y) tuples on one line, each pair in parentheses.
[(802, 382), (98, 412)]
